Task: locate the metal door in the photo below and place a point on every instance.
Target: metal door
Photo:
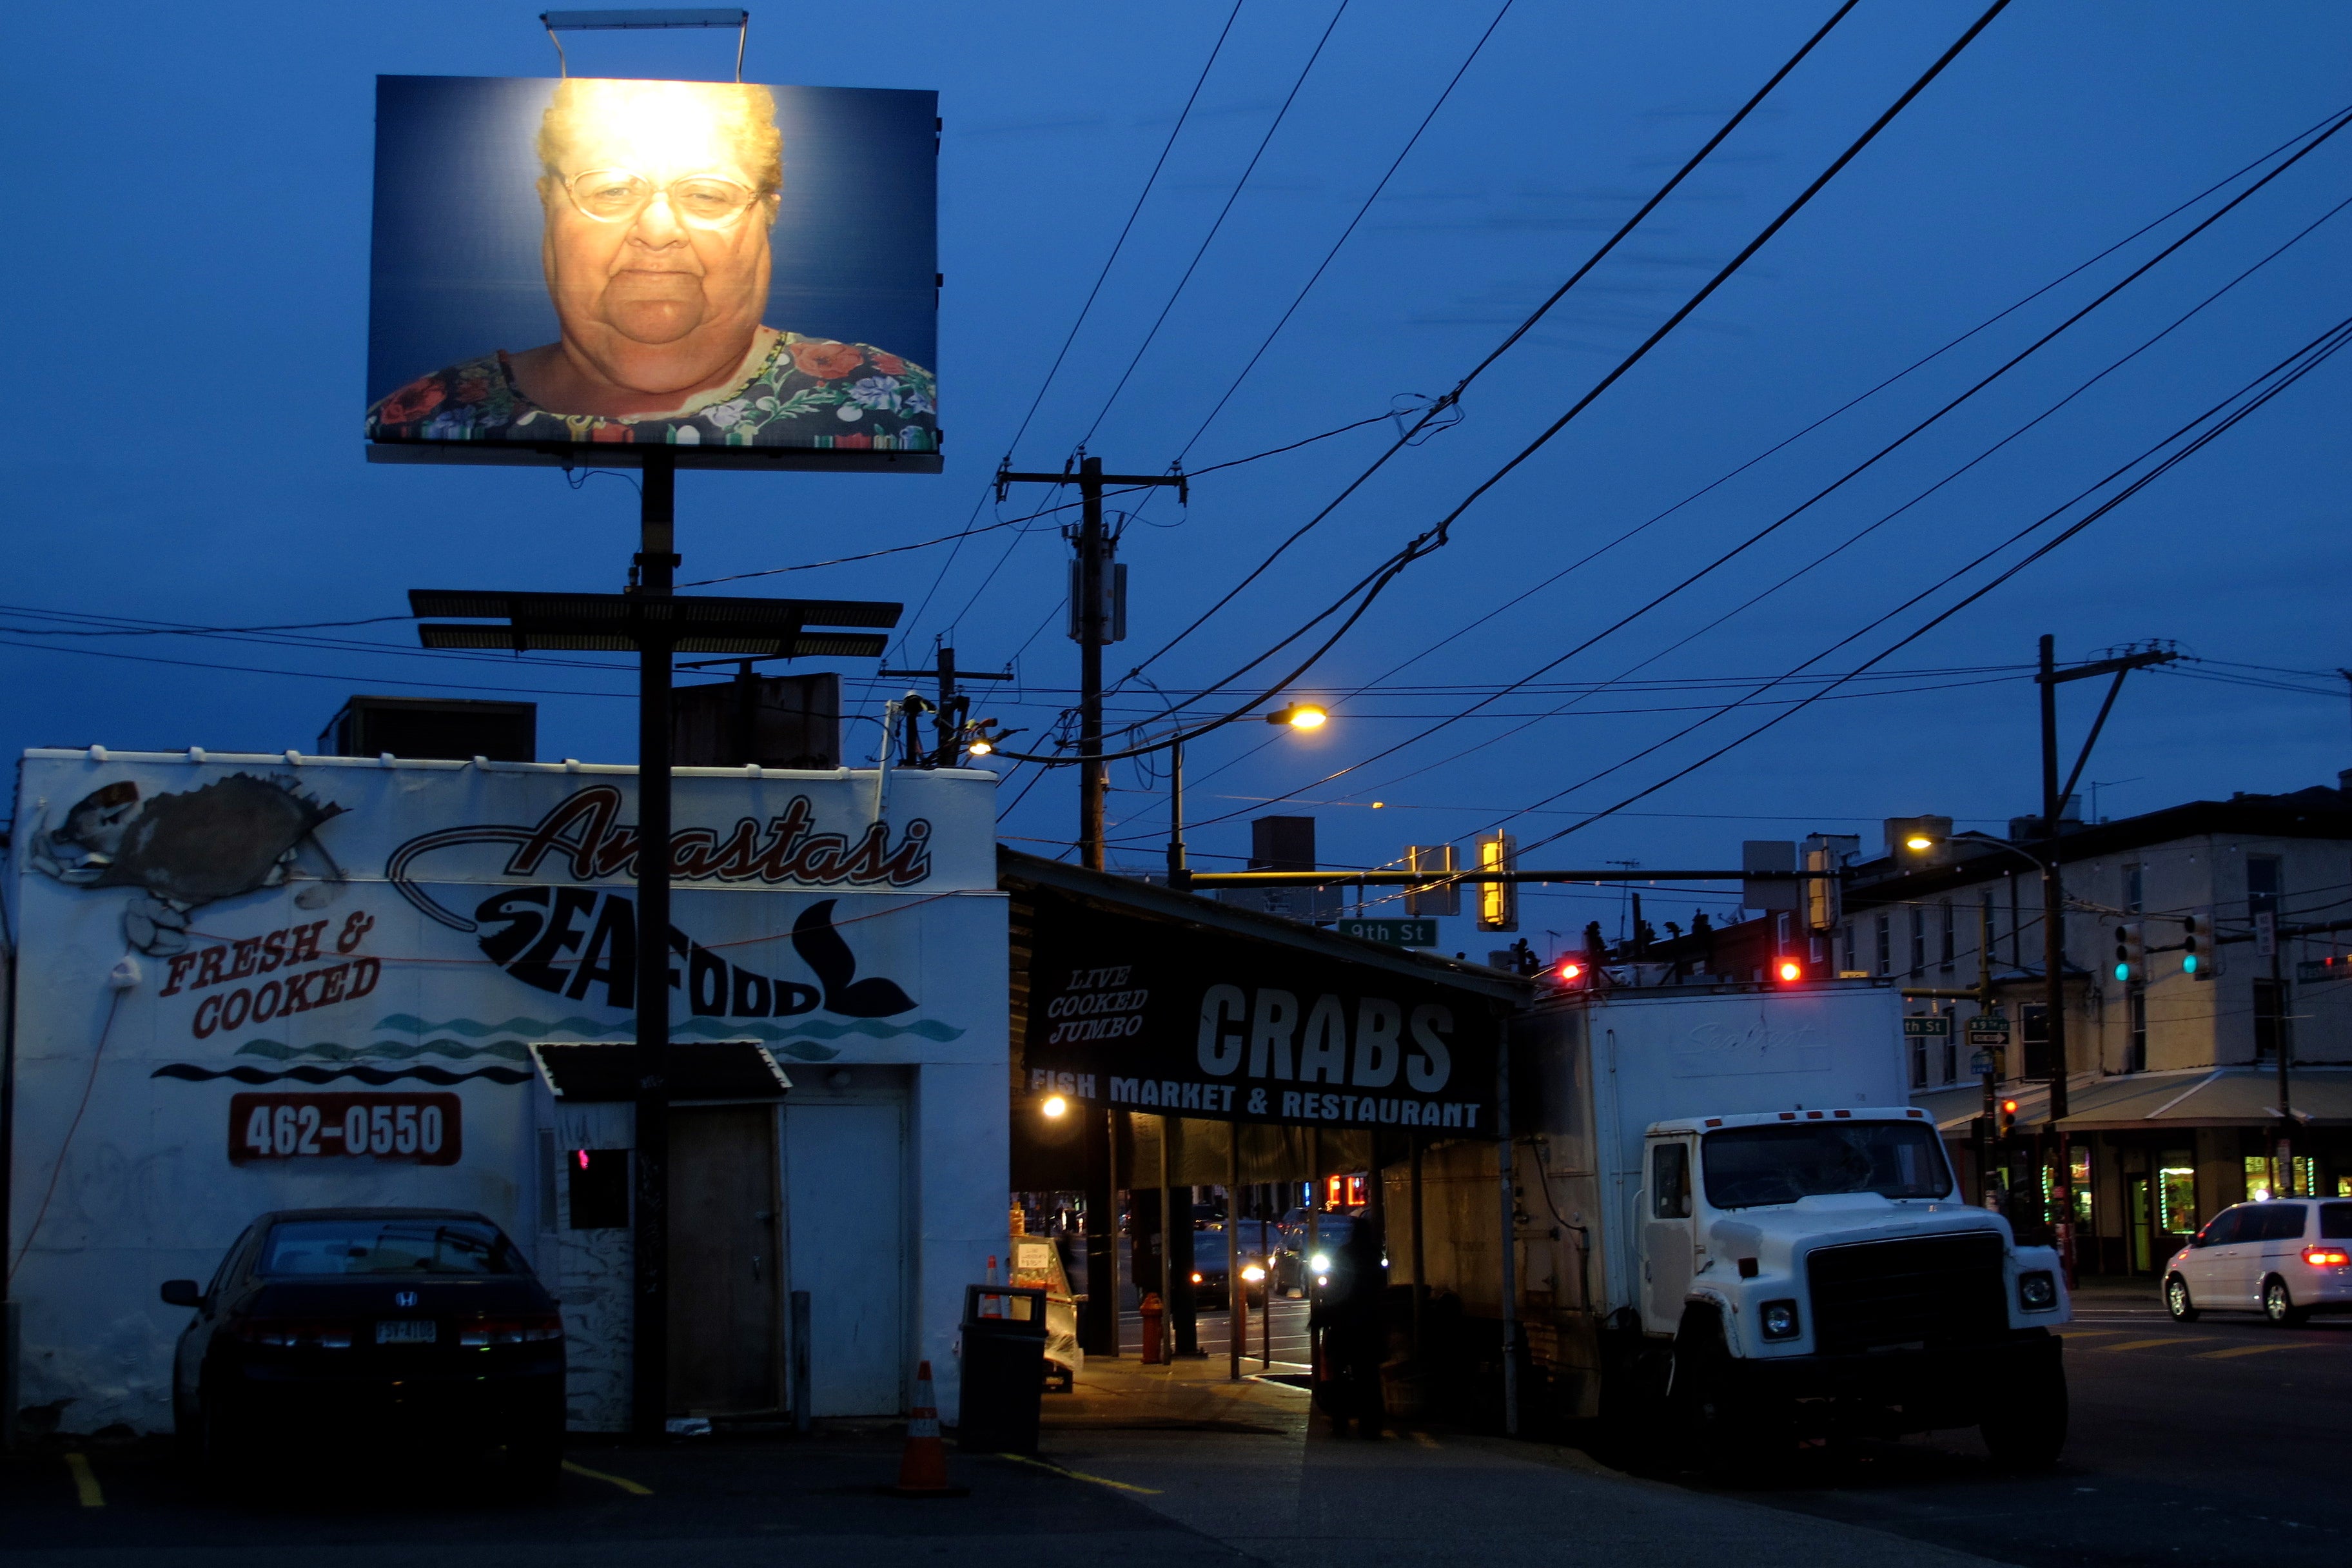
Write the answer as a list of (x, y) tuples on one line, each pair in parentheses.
[(845, 1166), (723, 1324)]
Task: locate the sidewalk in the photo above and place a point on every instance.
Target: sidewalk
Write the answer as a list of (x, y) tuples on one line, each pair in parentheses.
[(1243, 1465)]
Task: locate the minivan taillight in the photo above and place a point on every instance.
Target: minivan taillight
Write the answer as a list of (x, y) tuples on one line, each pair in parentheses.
[(2326, 1256), (292, 1333), (519, 1331)]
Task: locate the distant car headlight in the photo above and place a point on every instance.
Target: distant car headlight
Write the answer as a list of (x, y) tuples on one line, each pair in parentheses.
[(1779, 1319), (1320, 1263), (1196, 1276), (2038, 1291)]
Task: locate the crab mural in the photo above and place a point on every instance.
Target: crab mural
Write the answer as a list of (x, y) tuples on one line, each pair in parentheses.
[(186, 849)]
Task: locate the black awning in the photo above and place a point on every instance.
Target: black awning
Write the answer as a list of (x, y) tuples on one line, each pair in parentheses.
[(685, 1070)]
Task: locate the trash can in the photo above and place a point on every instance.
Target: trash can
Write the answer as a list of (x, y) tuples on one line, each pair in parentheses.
[(1004, 1368)]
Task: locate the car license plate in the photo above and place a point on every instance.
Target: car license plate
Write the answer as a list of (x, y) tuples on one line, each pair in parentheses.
[(407, 1332)]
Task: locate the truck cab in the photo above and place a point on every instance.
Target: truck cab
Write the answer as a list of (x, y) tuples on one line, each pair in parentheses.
[(1809, 1270)]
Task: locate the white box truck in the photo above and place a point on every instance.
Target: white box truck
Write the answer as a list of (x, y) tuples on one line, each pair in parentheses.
[(1735, 1233)]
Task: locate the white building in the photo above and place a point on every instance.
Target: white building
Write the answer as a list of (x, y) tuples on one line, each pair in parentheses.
[(245, 982), (2172, 1080)]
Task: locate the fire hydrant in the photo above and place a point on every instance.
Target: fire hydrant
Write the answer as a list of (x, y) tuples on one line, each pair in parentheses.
[(1154, 1312)]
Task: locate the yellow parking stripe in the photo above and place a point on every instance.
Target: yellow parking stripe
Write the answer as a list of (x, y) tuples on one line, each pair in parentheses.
[(1081, 1475), (2072, 1332), (85, 1481), (2151, 1344), (626, 1485), (2251, 1349)]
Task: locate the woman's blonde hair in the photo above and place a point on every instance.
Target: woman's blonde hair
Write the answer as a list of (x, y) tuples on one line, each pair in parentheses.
[(746, 110)]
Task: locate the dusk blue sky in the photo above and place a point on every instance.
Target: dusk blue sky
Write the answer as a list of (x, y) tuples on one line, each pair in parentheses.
[(188, 345)]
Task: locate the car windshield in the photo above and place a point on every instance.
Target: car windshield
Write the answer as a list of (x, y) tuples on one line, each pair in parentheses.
[(417, 1244), (1749, 1166), (1331, 1232)]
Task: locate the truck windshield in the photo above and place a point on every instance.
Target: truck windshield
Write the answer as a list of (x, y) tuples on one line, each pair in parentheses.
[(1747, 1166)]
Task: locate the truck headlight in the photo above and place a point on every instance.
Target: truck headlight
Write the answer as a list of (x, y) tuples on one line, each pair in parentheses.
[(1779, 1319), (2038, 1291)]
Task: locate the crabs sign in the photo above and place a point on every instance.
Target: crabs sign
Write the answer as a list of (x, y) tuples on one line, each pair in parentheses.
[(743, 274)]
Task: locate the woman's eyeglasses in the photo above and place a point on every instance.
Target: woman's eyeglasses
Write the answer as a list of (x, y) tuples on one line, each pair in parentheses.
[(616, 196)]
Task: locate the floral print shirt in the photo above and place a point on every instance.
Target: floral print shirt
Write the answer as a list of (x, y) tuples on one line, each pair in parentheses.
[(807, 392)]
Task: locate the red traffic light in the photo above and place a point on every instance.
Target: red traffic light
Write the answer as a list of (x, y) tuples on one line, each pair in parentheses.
[(1571, 970), (1789, 969), (2009, 1107)]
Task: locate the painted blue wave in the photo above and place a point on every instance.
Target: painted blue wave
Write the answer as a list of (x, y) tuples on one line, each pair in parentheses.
[(378, 1077), (533, 1028), (704, 1028), (385, 1051)]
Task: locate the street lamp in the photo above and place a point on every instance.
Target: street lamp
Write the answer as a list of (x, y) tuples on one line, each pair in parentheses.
[(1297, 715), (1054, 1107)]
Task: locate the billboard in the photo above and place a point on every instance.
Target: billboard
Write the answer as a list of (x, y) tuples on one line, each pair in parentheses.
[(566, 270)]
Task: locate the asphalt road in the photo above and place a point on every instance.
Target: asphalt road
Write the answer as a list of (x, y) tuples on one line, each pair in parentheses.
[(709, 1504), (2225, 1441), (2222, 1442)]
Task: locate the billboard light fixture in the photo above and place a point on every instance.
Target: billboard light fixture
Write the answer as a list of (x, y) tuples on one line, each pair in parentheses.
[(642, 20)]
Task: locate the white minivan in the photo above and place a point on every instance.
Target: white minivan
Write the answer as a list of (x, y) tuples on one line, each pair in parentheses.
[(2284, 1258)]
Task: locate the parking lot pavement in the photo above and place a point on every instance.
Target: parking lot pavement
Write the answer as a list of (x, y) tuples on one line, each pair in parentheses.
[(2223, 1441), (1244, 1466), (711, 1503)]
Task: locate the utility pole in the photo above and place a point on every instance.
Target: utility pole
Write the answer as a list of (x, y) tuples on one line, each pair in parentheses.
[(947, 719), (2053, 895), (1091, 626), (2054, 952)]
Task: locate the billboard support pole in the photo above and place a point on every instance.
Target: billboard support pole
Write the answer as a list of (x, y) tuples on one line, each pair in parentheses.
[(656, 558)]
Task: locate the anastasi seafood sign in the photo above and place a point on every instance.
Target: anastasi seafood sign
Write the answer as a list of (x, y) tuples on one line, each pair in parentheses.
[(249, 981)]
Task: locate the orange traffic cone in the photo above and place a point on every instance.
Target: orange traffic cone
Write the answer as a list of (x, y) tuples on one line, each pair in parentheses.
[(923, 1469)]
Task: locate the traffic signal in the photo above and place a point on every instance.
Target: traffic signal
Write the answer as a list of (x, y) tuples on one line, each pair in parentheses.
[(1788, 971), (2004, 1120), (2200, 953), (1571, 970), (2131, 953), (1498, 902)]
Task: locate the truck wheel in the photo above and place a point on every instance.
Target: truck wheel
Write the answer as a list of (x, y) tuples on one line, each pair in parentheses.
[(2177, 1302), (1633, 1430), (2029, 1432), (1735, 1438), (2279, 1306)]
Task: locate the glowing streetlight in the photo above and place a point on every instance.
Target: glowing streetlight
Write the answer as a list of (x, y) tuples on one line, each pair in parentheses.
[(1299, 716), (1055, 1106)]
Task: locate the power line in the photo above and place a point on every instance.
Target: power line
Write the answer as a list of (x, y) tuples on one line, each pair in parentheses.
[(1437, 537), (1982, 457), (1757, 536), (1454, 397), (1917, 364), (1317, 276), (1206, 240), (1150, 179), (2283, 375)]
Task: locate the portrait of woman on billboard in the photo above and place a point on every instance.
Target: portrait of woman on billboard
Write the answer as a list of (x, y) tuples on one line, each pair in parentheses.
[(713, 266)]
